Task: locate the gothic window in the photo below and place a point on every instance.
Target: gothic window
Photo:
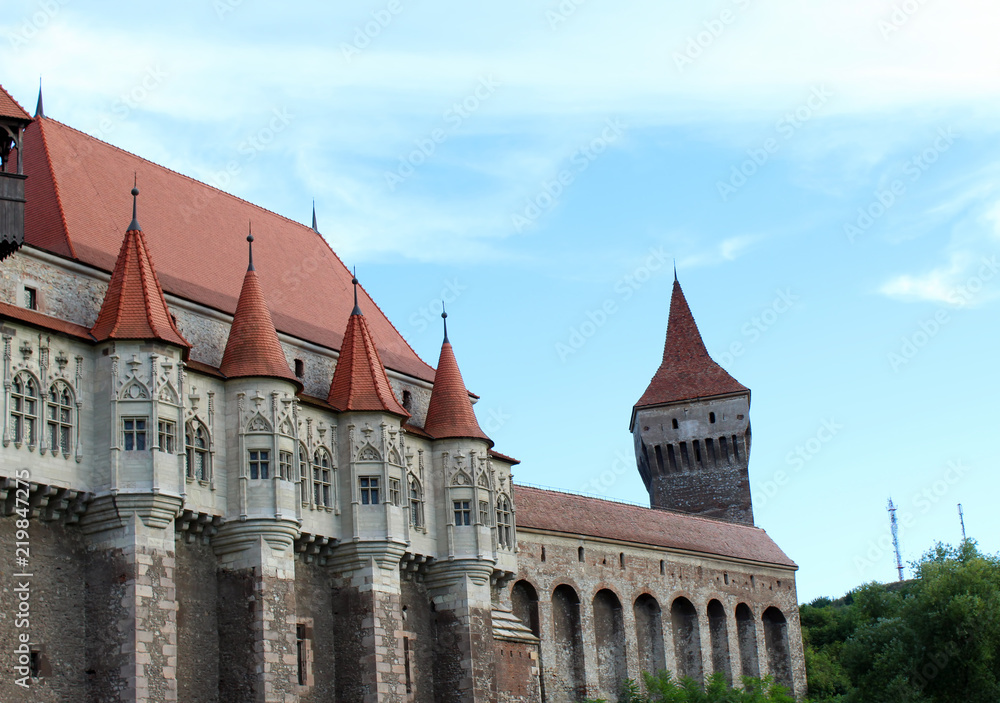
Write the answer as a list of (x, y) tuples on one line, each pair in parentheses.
[(484, 513), (285, 466), (369, 490), (505, 530), (166, 432), (463, 514), (196, 446), (260, 463), (60, 417), (416, 504), (24, 408), (395, 492), (322, 483), (304, 473), (134, 433)]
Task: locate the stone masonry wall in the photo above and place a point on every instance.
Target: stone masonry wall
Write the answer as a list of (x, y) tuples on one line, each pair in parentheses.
[(516, 673), (197, 623), (314, 604)]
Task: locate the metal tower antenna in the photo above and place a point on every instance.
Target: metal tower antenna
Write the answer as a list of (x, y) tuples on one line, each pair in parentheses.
[(961, 519), (895, 537)]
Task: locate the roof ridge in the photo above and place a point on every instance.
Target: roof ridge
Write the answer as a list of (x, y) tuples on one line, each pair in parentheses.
[(55, 185), (638, 506), (235, 197), (16, 102)]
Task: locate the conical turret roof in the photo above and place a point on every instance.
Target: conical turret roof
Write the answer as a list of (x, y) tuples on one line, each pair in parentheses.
[(687, 371), (450, 413), (134, 306), (359, 380), (253, 348)]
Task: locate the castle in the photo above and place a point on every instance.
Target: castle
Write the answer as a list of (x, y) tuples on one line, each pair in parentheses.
[(226, 477)]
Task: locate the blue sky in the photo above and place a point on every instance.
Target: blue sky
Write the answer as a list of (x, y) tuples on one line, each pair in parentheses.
[(825, 175)]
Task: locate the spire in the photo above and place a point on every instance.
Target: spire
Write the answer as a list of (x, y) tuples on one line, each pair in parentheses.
[(134, 306), (133, 226), (444, 318), (253, 348), (359, 380), (450, 414), (315, 228), (250, 245), (354, 282), (687, 371), (39, 110)]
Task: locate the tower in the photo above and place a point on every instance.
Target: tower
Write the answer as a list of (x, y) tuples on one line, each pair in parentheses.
[(692, 428)]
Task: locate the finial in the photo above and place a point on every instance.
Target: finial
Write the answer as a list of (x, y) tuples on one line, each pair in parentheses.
[(354, 282), (134, 224), (250, 244), (315, 228), (675, 270), (444, 318), (39, 110)]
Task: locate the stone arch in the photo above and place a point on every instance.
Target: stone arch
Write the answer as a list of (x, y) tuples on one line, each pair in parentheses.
[(649, 633), (687, 639), (779, 660), (524, 601), (746, 629), (719, 631), (609, 633), (568, 644)]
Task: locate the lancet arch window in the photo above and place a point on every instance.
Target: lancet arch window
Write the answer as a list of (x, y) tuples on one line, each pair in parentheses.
[(59, 418), (24, 408), (304, 473), (322, 478), (416, 504), (505, 528), (199, 459)]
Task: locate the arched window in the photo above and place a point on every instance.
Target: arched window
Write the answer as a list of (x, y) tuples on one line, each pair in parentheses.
[(198, 458), (60, 418), (505, 532), (304, 473), (24, 408), (416, 504), (322, 483)]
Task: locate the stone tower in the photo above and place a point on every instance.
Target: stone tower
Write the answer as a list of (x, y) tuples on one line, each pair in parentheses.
[(692, 428)]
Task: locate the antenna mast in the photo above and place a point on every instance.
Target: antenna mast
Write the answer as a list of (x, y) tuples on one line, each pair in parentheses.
[(961, 519), (895, 537)]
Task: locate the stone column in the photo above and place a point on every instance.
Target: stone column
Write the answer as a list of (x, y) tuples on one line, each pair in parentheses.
[(131, 606), (464, 655), (366, 602), (257, 612)]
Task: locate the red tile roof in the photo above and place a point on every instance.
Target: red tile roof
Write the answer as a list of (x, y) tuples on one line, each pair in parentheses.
[(503, 457), (687, 371), (359, 380), (253, 348), (78, 188), (9, 107), (581, 515), (134, 306), (450, 413), (37, 319)]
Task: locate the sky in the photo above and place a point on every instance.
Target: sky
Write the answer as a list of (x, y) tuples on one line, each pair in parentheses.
[(826, 176)]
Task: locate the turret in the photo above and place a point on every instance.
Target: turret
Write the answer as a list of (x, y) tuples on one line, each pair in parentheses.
[(692, 428), (13, 120)]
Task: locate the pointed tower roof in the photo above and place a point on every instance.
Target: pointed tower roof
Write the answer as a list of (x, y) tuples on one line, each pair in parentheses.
[(359, 380), (687, 371), (134, 306), (450, 412), (11, 109), (315, 228), (253, 348), (39, 107)]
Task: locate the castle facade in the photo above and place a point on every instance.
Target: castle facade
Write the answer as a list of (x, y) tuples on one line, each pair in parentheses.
[(225, 477)]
